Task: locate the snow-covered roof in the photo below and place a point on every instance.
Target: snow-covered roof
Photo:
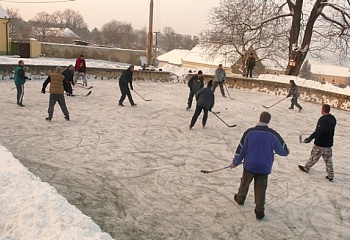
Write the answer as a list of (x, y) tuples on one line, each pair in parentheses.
[(57, 32), (328, 69), (174, 56), (200, 55), (3, 13)]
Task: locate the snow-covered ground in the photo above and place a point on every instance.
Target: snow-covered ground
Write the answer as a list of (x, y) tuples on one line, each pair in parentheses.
[(135, 171)]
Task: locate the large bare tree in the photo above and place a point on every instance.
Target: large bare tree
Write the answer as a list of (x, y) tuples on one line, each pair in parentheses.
[(284, 28)]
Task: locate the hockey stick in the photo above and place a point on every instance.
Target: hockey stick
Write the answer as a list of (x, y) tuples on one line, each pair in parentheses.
[(234, 125), (228, 92), (274, 103), (142, 97), (80, 85), (216, 170)]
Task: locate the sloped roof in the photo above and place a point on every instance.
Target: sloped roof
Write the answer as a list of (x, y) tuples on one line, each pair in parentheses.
[(3, 13), (57, 32), (328, 69), (174, 56), (200, 55)]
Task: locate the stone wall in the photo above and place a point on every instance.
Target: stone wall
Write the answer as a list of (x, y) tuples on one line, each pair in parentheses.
[(92, 52), (336, 100)]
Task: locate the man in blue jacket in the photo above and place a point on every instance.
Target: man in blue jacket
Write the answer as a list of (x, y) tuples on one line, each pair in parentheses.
[(257, 148)]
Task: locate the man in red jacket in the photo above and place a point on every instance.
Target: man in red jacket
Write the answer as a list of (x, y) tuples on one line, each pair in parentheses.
[(80, 70)]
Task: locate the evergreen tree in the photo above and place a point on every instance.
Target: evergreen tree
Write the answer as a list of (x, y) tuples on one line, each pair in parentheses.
[(305, 71)]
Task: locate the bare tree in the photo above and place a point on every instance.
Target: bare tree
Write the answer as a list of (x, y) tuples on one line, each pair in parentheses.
[(118, 34), (73, 20), (317, 26), (18, 28), (140, 41), (41, 24), (242, 27)]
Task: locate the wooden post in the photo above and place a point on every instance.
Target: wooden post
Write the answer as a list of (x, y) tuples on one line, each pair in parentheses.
[(150, 34)]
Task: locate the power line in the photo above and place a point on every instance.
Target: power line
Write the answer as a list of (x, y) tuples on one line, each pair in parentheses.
[(53, 1)]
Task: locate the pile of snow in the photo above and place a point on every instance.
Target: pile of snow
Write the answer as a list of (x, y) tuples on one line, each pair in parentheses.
[(32, 209)]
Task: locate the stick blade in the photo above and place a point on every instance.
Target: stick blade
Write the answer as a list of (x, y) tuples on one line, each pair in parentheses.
[(265, 107), (300, 139), (148, 100), (204, 171), (234, 125)]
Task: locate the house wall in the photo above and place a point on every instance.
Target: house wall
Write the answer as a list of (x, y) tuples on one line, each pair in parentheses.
[(101, 53), (35, 48), (4, 41), (332, 79)]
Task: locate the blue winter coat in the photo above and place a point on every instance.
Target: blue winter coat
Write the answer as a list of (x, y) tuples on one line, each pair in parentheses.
[(257, 148)]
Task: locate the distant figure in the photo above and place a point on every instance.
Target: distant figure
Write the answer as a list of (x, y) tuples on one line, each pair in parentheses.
[(256, 150), (250, 65), (68, 74), (205, 101), (80, 70), (195, 83), (56, 93), (323, 135), (220, 76), (293, 91), (20, 80), (124, 81)]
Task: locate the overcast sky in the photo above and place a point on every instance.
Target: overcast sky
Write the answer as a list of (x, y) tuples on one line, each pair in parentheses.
[(184, 16)]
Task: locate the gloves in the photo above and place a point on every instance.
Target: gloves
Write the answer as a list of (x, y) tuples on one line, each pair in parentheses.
[(209, 109), (29, 78), (43, 90), (307, 140), (288, 96), (131, 87)]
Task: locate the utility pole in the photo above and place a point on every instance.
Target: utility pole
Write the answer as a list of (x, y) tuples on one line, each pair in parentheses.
[(150, 34), (155, 49)]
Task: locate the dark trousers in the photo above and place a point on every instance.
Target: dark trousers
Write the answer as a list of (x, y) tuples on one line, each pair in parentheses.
[(249, 72), (294, 101), (260, 186), (221, 84), (124, 89), (20, 93), (68, 88), (196, 114), (60, 99), (190, 99)]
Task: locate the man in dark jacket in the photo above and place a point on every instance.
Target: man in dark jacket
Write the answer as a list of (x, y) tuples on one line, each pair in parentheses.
[(56, 93), (205, 101), (195, 83), (20, 79), (294, 93), (68, 74), (257, 148), (124, 81), (250, 65), (323, 143), (80, 70)]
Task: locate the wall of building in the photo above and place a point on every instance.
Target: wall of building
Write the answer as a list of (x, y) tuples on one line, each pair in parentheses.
[(4, 41), (332, 79), (35, 48), (92, 52)]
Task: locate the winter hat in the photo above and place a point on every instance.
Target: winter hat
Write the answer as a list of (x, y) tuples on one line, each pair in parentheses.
[(200, 72), (210, 83)]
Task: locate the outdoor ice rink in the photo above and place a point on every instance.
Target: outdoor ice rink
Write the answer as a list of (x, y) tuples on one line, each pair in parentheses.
[(136, 170)]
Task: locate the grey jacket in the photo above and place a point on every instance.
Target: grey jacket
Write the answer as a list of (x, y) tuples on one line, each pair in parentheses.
[(220, 75)]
